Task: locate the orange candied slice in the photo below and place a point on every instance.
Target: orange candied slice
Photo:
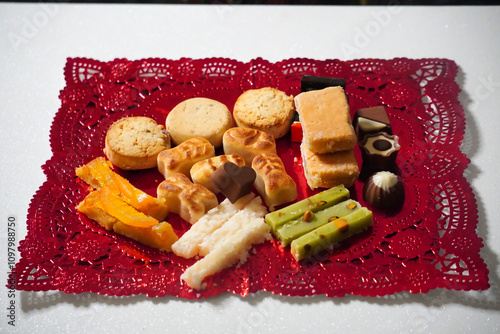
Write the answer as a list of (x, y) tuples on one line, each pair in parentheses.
[(143, 202), (113, 205), (91, 208), (160, 236), (97, 173)]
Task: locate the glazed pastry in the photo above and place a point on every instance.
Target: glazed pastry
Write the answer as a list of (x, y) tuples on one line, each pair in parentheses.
[(188, 200), (181, 158), (98, 173), (248, 143), (272, 181), (160, 235), (202, 171)]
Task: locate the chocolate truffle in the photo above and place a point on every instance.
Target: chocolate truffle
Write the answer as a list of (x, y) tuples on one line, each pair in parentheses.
[(371, 120), (384, 190), (379, 151)]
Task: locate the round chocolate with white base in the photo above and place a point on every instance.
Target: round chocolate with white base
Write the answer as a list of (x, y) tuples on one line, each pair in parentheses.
[(384, 190)]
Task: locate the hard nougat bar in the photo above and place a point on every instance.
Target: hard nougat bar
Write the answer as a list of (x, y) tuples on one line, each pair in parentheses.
[(329, 234), (298, 227), (314, 203)]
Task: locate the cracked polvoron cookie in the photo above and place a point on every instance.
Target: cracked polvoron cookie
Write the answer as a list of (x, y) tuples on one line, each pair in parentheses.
[(199, 117), (266, 109), (134, 142)]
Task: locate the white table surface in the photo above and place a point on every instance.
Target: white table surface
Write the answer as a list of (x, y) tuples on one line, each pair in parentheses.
[(35, 41)]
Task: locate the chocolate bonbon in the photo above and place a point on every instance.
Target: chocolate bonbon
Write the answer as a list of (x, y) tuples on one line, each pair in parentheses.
[(331, 233), (379, 152), (233, 181), (384, 190), (371, 120)]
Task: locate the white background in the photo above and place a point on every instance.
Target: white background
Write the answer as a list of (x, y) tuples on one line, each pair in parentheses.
[(35, 41)]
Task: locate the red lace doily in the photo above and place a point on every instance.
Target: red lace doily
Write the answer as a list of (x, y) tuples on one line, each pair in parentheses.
[(431, 243)]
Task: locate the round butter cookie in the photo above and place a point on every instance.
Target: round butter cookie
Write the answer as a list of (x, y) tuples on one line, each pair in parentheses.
[(199, 117), (266, 109), (134, 142)]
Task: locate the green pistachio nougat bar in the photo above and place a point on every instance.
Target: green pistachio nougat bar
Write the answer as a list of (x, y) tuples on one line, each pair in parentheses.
[(298, 227), (331, 233), (314, 203)]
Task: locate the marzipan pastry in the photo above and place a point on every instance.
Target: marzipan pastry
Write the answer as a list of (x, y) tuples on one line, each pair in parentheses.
[(248, 143), (181, 158), (190, 201), (272, 181)]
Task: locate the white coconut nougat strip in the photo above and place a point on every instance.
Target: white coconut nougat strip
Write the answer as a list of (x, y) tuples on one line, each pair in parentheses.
[(254, 209), (189, 244), (235, 248)]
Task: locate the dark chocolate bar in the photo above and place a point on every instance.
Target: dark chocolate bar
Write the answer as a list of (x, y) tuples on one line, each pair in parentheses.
[(312, 82)]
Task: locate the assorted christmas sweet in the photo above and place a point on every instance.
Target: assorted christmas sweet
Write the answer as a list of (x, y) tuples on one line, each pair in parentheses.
[(205, 157)]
